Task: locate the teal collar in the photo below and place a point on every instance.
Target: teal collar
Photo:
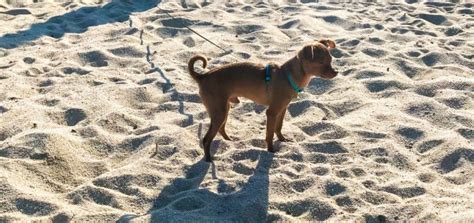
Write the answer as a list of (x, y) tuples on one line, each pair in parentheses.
[(293, 84)]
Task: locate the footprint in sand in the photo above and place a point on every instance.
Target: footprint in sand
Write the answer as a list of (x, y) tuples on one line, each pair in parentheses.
[(62, 217), (343, 23), (429, 145), (146, 81), (242, 169), (413, 53), (466, 133), (170, 32), (34, 207), (119, 123), (348, 203), (127, 52), (135, 143), (376, 218), (380, 85), (297, 108), (29, 60), (319, 86), (94, 58), (72, 70), (3, 109), (452, 31), (457, 102), (93, 194), (373, 52), (331, 147), (338, 53), (367, 74), (426, 91), (409, 134), (407, 67), (318, 210), (73, 116), (378, 198), (290, 24), (434, 18), (189, 204), (437, 115), (251, 154), (46, 83), (343, 174), (189, 42), (323, 128), (185, 97), (15, 12), (405, 192), (358, 172), (247, 29), (316, 158), (467, 11), (49, 102), (118, 80), (437, 58), (320, 171), (379, 154), (334, 188), (371, 135), (453, 160), (128, 184), (349, 43), (426, 177)]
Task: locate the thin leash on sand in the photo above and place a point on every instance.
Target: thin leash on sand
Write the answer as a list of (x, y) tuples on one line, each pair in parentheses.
[(228, 52)]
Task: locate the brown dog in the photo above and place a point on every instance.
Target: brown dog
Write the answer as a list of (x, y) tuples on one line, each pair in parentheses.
[(273, 85)]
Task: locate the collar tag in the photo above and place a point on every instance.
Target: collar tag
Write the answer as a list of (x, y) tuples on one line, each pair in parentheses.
[(268, 76)]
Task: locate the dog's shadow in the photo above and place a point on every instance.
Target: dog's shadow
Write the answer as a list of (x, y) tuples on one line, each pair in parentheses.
[(77, 21), (183, 200)]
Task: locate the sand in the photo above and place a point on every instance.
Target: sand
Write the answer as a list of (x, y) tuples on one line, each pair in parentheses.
[(99, 119)]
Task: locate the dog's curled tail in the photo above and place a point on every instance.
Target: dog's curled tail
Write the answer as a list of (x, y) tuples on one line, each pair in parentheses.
[(191, 62)]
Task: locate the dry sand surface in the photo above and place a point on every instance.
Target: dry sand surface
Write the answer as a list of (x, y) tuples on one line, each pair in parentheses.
[(99, 119)]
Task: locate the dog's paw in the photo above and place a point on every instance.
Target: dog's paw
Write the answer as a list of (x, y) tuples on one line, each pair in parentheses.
[(285, 139), (208, 159), (232, 138), (228, 138), (270, 149)]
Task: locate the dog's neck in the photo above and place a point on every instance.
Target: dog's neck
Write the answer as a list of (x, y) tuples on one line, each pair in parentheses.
[(295, 68)]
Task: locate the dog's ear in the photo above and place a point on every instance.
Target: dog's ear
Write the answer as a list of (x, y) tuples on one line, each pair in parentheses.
[(328, 43), (307, 52)]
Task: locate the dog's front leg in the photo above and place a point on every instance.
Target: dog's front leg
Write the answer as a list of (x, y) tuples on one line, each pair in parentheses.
[(273, 113), (271, 124), (279, 126)]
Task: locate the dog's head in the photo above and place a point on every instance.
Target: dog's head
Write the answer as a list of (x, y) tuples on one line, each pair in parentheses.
[(316, 60)]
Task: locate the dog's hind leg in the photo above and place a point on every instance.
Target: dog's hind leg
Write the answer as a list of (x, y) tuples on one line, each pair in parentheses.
[(222, 129), (217, 115)]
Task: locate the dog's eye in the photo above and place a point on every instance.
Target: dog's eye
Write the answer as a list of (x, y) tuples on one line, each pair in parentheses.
[(318, 55)]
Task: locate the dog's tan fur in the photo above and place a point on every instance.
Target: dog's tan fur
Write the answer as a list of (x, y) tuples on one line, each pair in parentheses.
[(220, 86)]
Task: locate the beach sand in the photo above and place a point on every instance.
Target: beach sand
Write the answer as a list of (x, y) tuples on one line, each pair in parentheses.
[(100, 120)]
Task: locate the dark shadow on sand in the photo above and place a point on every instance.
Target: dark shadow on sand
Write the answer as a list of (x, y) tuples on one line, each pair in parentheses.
[(78, 21), (183, 201), (175, 94)]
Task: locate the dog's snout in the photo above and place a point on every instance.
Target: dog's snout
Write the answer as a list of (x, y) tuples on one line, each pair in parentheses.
[(329, 73)]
